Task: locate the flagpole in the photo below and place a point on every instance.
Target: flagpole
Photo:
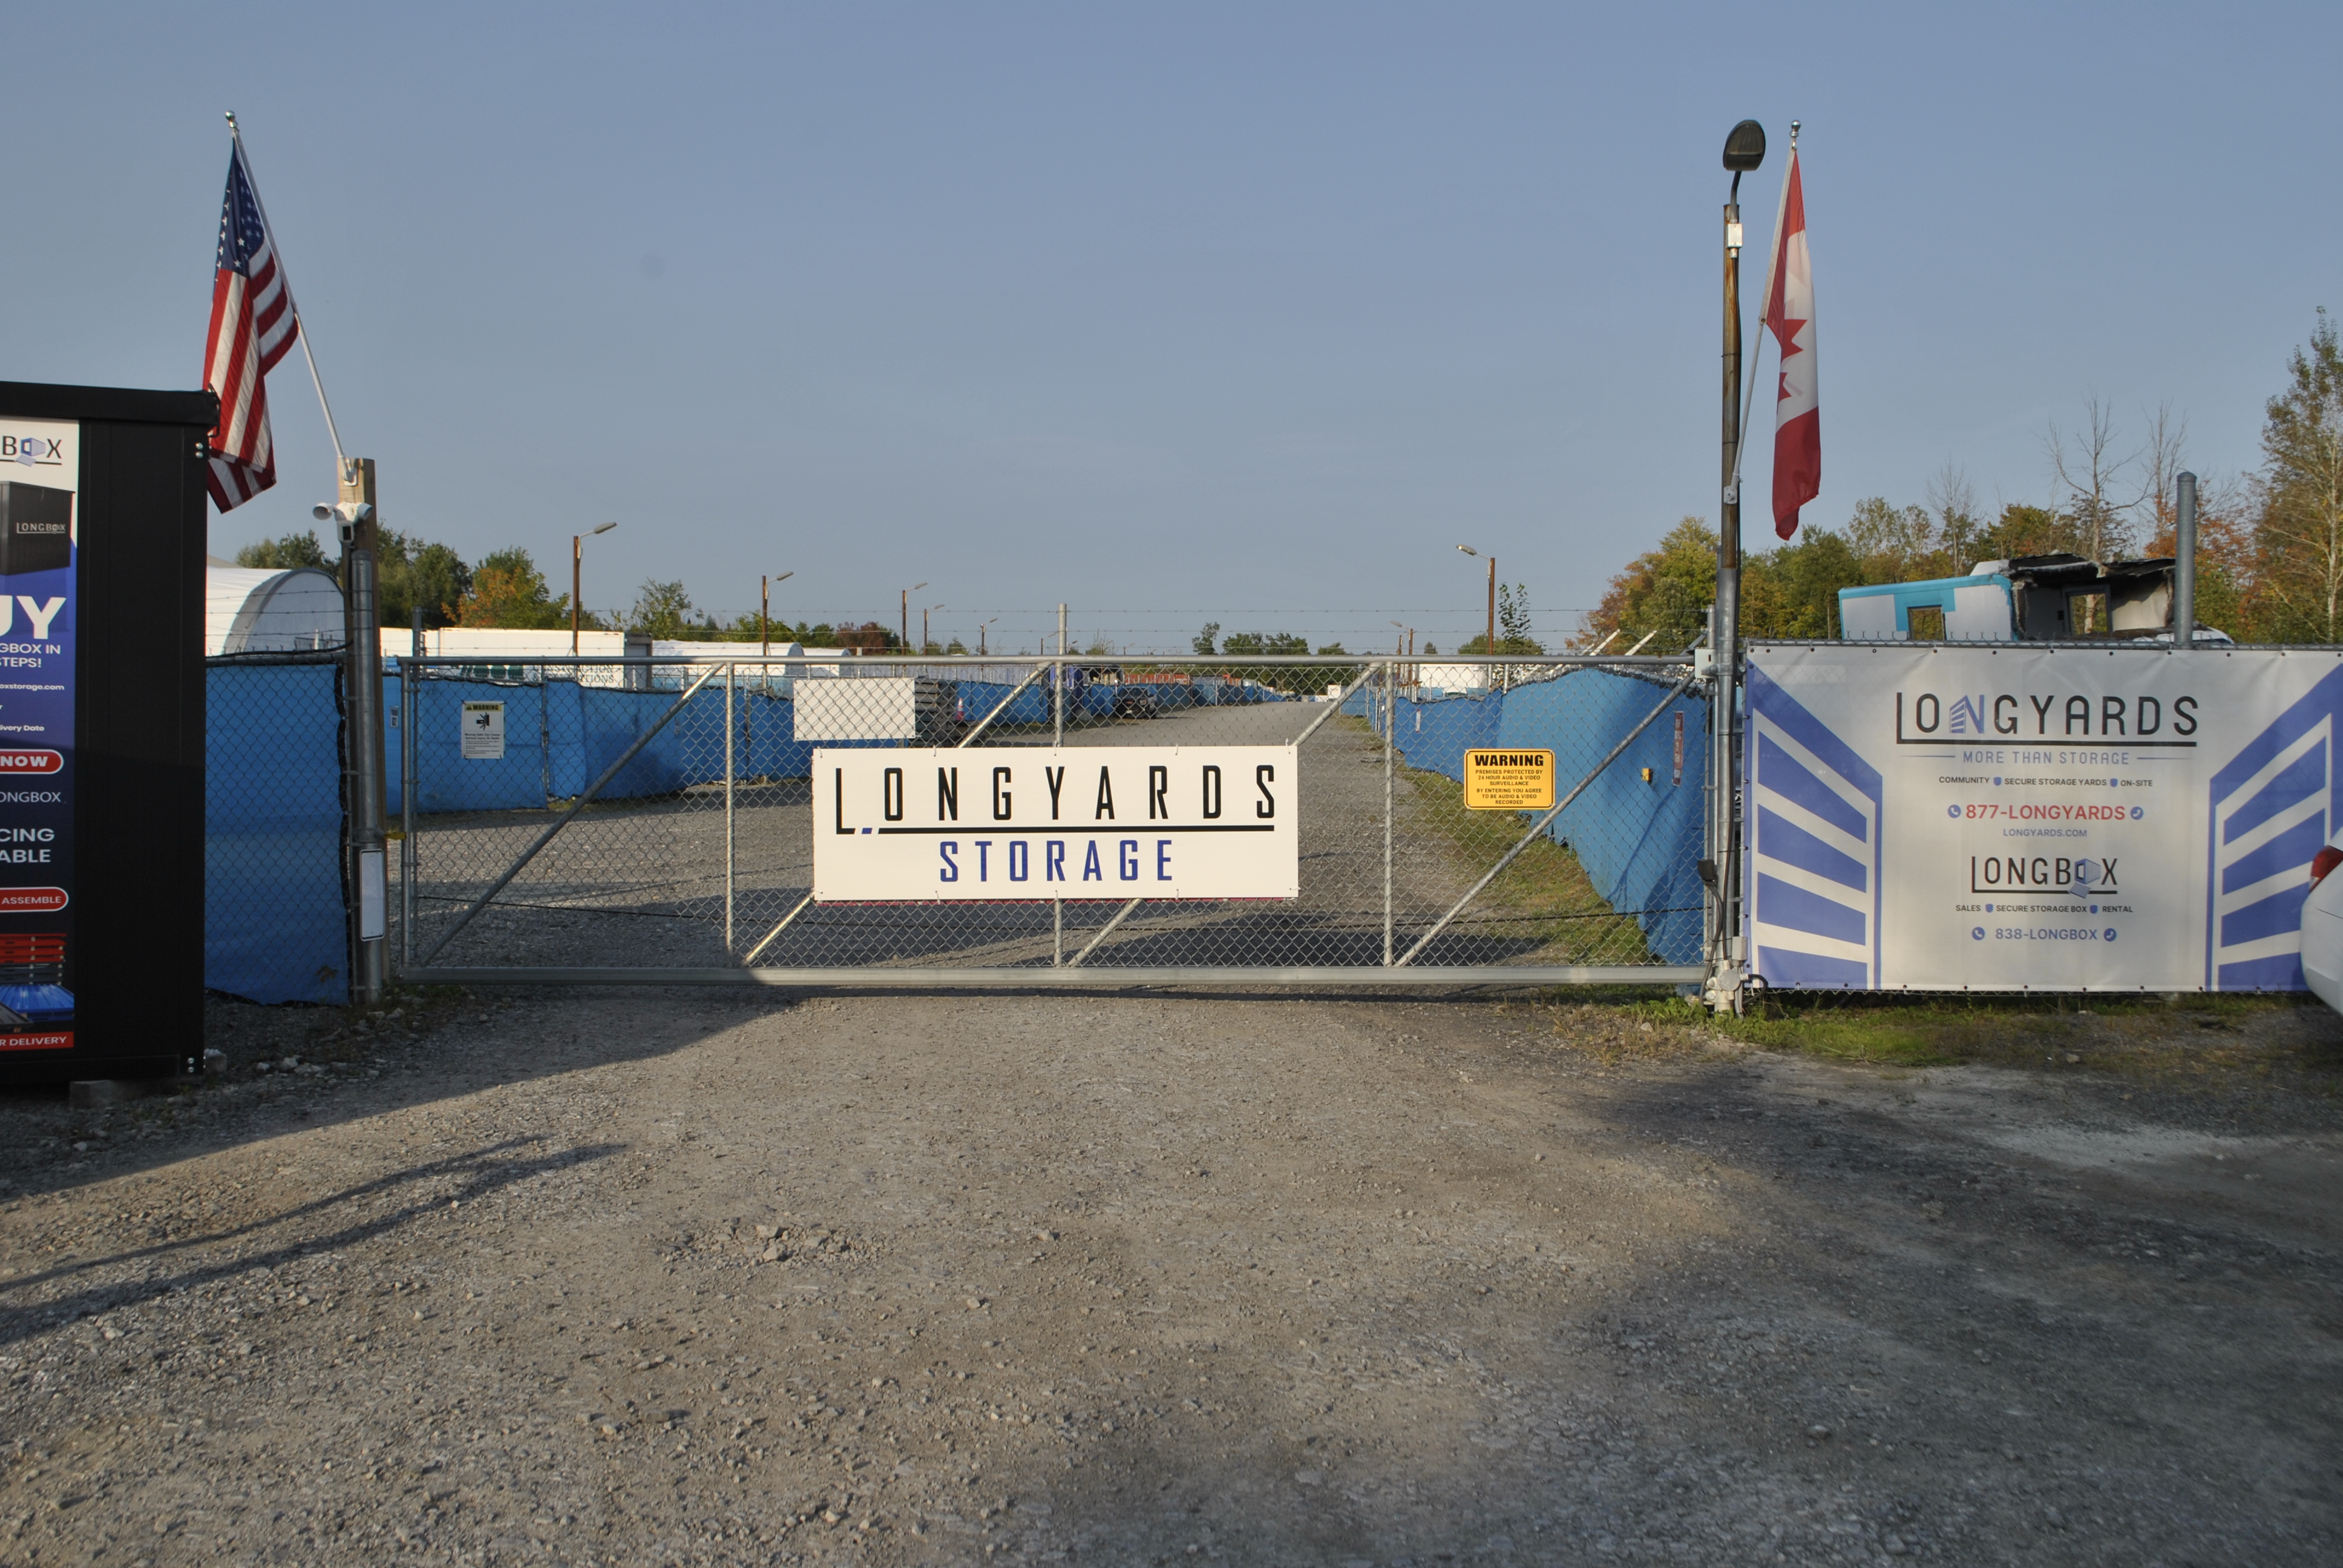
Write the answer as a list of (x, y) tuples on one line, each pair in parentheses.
[(1765, 304), (301, 324)]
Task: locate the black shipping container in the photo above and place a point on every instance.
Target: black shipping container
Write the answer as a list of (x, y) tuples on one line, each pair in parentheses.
[(102, 934)]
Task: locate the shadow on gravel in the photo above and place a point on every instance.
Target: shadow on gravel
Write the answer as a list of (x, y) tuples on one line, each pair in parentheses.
[(459, 1178)]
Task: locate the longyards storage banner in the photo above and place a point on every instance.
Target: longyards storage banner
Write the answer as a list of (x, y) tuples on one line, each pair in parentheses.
[(40, 472), (2052, 817), (1020, 823)]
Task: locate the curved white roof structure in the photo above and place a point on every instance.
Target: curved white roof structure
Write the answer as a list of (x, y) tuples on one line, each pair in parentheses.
[(251, 610)]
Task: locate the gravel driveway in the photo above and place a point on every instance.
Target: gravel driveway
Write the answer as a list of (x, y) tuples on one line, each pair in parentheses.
[(642, 1277)]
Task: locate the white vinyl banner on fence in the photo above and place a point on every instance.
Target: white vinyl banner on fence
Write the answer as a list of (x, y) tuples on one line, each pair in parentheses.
[(2056, 818), (1024, 822)]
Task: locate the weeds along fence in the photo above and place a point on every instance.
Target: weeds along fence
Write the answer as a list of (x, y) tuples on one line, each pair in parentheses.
[(554, 828)]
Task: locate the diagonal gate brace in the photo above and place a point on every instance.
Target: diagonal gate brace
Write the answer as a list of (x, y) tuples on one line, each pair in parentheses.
[(563, 820), (1540, 825)]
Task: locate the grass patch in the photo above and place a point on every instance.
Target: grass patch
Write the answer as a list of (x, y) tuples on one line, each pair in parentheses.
[(2193, 1043), (1544, 895)]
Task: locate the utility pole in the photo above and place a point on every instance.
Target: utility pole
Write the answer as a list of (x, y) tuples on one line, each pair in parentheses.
[(1744, 150), (364, 787), (576, 571), (1490, 648), (765, 611), (1493, 604), (906, 614)]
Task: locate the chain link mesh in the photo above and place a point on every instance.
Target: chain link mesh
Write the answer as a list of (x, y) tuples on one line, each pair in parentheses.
[(697, 848), (275, 926)]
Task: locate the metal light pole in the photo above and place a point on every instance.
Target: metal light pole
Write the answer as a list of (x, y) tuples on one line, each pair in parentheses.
[(765, 612), (980, 638), (1492, 649), (906, 614), (923, 625), (576, 571), (1744, 150)]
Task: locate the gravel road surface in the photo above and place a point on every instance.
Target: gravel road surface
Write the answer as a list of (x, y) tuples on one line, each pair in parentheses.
[(649, 1277)]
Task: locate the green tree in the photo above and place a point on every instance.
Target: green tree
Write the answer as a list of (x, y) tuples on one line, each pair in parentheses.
[(285, 553), (1513, 621), (662, 609), (1202, 641), (2300, 531), (1896, 544), (507, 590), (412, 572), (1666, 592), (1272, 643), (2029, 530), (2087, 468), (1953, 509), (1792, 592)]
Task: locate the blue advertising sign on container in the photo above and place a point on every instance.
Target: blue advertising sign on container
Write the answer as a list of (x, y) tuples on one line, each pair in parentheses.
[(40, 470)]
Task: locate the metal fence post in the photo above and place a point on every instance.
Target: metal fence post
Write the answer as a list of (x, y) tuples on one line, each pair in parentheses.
[(409, 860), (2184, 571), (1058, 741), (728, 671), (1391, 743)]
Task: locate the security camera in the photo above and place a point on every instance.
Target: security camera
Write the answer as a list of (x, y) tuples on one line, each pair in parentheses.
[(347, 515)]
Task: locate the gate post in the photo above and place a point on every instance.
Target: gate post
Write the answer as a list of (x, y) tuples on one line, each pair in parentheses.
[(1390, 740), (1724, 977), (363, 775)]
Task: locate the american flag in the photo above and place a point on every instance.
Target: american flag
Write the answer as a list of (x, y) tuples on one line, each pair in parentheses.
[(253, 325)]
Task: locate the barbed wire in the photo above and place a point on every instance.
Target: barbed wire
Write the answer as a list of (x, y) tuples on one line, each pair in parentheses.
[(1139, 632)]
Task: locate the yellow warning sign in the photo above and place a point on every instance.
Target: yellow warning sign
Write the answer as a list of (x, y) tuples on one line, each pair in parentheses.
[(1508, 780)]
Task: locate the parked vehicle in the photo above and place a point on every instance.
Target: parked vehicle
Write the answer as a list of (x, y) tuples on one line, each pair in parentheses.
[(2322, 927)]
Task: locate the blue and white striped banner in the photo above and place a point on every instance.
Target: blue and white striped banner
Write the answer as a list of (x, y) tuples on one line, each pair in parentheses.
[(2118, 817)]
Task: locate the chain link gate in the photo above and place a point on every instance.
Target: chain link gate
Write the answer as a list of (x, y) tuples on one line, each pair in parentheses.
[(654, 821)]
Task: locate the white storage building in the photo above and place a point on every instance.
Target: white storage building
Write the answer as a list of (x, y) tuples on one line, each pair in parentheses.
[(249, 610)]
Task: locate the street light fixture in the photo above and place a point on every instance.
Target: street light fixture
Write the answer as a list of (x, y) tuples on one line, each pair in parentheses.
[(1492, 647), (765, 612), (1744, 150), (923, 625), (577, 570), (979, 637), (906, 614)]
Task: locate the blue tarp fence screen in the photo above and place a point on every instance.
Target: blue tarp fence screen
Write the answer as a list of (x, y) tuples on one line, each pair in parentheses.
[(1638, 841), (274, 921)]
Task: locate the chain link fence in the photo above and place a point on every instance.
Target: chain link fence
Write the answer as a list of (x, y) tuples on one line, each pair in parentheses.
[(276, 923), (660, 821)]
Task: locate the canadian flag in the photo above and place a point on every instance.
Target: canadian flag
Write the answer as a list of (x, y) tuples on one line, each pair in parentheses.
[(1790, 315)]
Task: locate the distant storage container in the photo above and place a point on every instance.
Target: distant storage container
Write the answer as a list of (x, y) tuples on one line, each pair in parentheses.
[(876, 707)]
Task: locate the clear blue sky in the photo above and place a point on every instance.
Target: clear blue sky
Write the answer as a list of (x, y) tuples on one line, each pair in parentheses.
[(1238, 311)]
